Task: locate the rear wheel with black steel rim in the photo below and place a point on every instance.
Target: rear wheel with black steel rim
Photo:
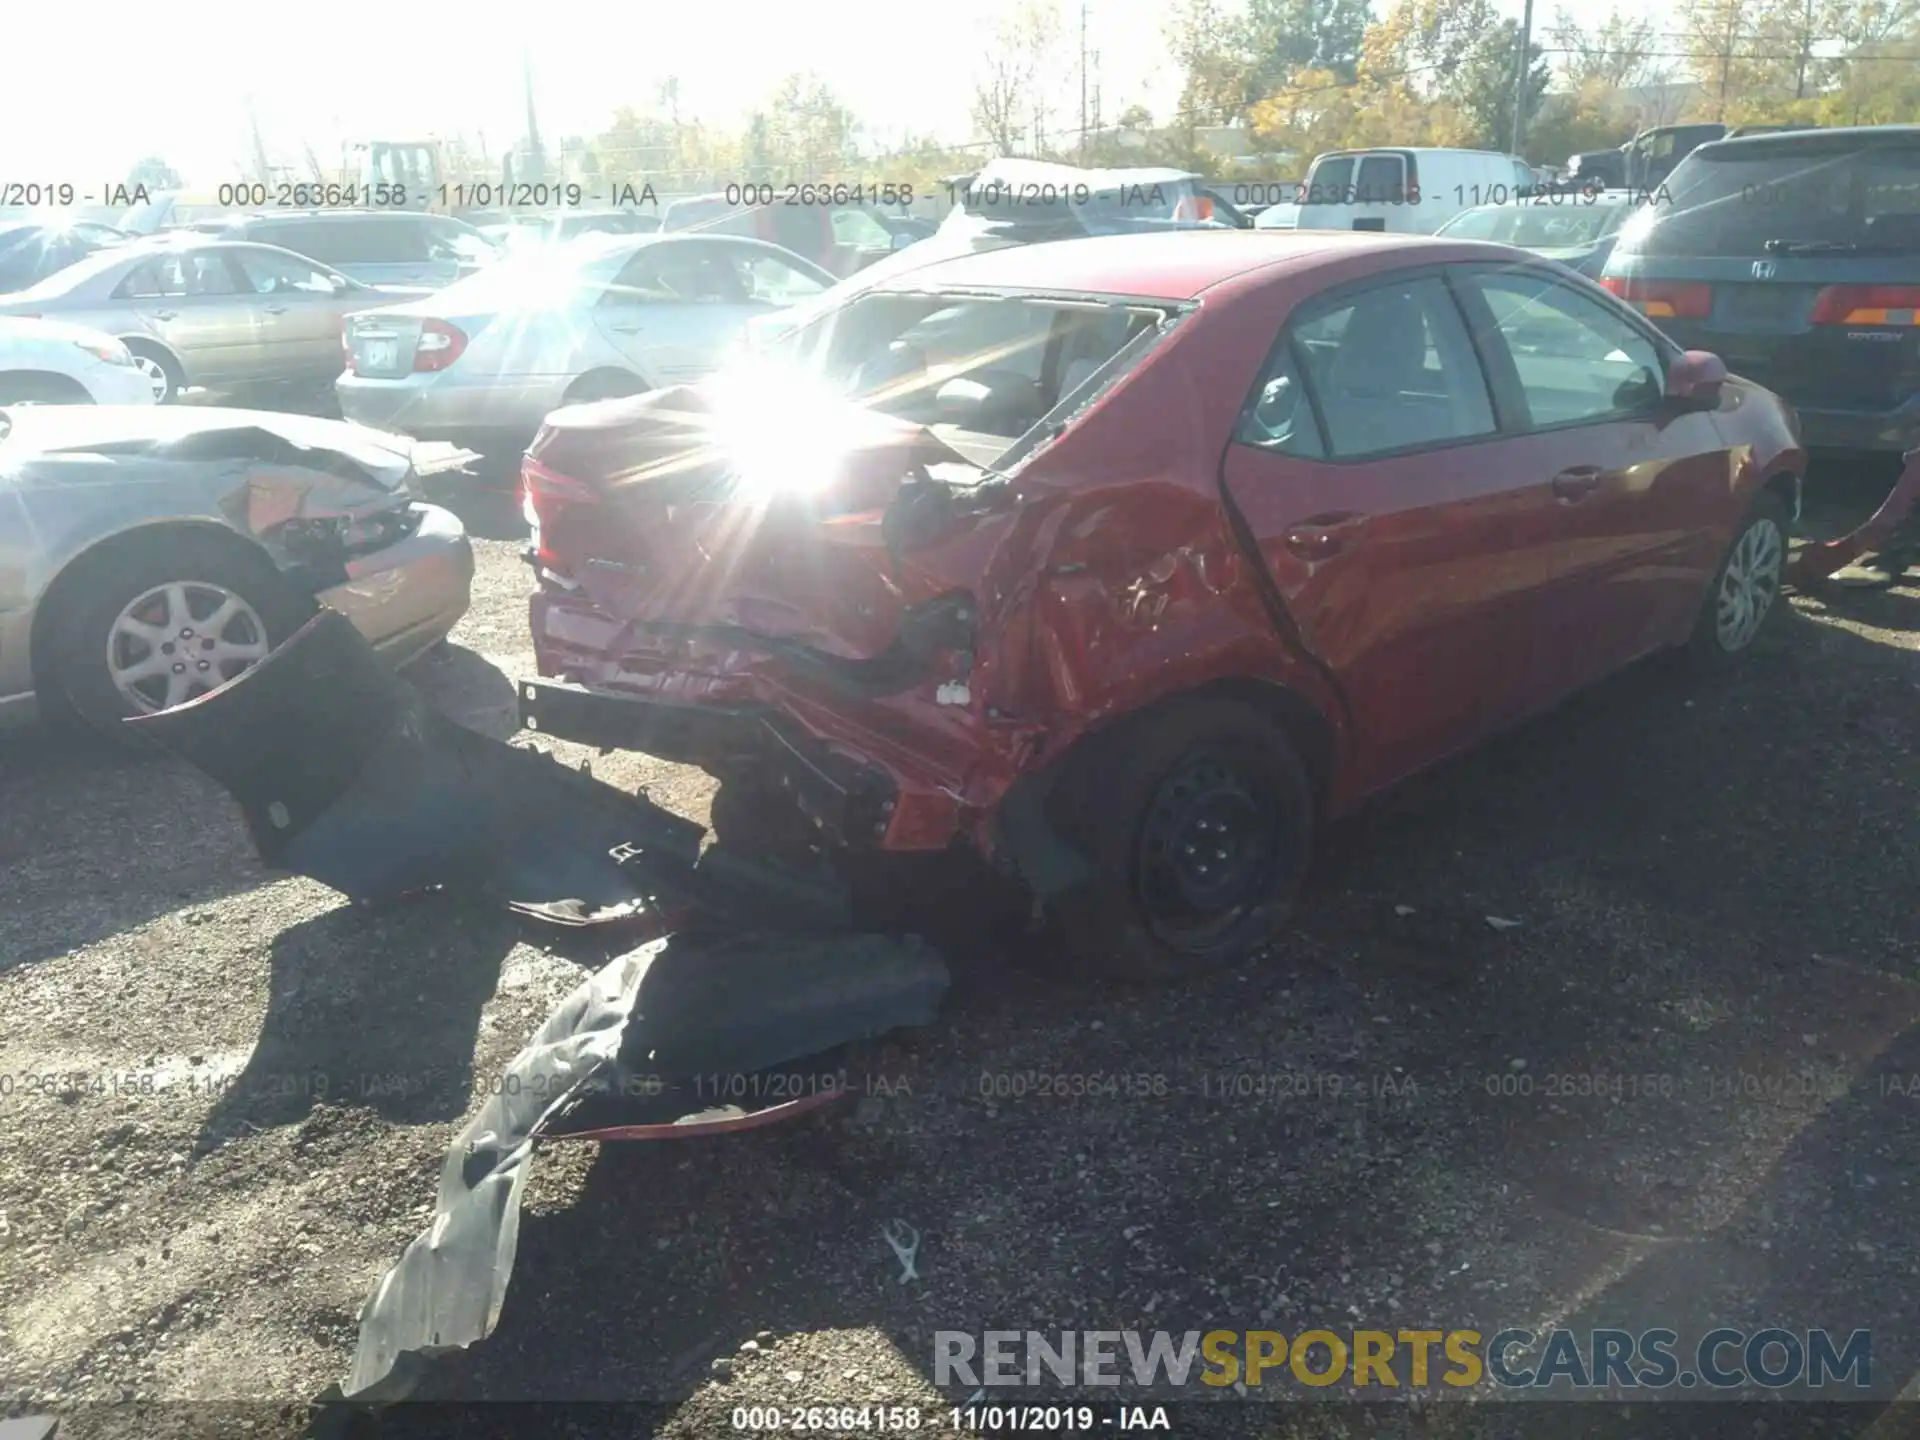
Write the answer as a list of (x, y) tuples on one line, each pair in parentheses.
[(1200, 817)]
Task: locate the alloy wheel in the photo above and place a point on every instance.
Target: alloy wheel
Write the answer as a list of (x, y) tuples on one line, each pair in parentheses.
[(156, 374), (180, 640), (1750, 584)]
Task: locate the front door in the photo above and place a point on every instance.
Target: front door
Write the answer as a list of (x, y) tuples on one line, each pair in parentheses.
[(1371, 473), (299, 315), (1642, 489)]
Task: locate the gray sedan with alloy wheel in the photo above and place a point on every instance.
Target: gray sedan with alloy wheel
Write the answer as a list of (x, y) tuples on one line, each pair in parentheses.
[(148, 554), (230, 317)]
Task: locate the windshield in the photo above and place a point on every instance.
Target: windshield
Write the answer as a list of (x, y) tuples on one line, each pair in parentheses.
[(1733, 200), (1578, 221)]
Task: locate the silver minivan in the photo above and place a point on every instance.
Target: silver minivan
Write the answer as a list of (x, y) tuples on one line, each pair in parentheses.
[(375, 247)]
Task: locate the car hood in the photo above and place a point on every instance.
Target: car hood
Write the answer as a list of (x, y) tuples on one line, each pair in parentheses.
[(54, 429), (19, 330)]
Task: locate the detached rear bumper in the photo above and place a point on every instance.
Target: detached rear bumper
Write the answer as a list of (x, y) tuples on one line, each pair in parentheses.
[(852, 801), (1895, 523)]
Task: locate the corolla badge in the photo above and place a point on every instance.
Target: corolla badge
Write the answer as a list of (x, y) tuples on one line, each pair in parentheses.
[(1764, 269)]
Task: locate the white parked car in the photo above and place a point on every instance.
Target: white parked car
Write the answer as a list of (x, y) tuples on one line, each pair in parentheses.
[(600, 316), (1410, 191), (43, 362)]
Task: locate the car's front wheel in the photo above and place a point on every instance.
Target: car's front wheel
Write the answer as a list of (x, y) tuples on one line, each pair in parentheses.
[(158, 368), (165, 620), (1746, 589)]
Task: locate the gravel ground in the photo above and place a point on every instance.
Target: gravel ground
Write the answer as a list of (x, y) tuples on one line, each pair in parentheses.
[(1387, 1125)]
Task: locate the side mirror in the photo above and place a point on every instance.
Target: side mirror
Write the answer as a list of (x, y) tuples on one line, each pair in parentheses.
[(1694, 380)]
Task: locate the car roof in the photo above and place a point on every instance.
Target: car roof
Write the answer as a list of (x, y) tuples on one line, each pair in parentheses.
[(1170, 265), (1836, 137)]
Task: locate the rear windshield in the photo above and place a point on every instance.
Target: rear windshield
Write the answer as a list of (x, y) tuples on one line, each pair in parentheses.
[(986, 367), (1735, 200), (1571, 221)]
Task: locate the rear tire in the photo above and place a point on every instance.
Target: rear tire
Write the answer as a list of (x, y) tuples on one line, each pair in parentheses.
[(1200, 817), (1745, 591), (206, 605), (160, 368)]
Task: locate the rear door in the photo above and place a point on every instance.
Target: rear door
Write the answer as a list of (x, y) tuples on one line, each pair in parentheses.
[(1642, 491), (196, 302), (1369, 469)]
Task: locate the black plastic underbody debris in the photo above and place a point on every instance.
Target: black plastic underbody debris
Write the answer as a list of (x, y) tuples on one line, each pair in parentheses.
[(345, 774), (722, 1007), (745, 1014)]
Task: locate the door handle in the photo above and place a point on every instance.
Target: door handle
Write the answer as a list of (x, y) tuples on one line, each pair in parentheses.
[(1320, 536), (274, 309), (628, 329), (1577, 482), (163, 314)]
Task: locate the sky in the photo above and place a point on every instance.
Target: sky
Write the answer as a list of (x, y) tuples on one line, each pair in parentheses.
[(177, 81)]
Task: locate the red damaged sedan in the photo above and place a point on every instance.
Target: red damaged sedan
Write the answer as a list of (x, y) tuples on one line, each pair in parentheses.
[(1124, 561)]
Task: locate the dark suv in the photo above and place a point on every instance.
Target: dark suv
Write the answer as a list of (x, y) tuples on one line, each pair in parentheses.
[(1796, 258), (375, 247)]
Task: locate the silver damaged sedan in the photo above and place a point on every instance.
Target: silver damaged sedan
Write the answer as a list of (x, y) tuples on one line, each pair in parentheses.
[(149, 554)]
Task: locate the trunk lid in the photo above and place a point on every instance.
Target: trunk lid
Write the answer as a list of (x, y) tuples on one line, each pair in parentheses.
[(658, 507)]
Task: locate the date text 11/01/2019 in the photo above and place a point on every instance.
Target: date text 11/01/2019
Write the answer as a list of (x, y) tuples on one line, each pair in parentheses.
[(985, 1419)]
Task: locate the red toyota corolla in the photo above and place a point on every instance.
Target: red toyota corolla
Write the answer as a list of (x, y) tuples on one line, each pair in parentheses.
[(1125, 560)]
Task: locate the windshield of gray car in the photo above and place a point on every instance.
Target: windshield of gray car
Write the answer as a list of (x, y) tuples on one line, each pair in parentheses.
[(1562, 222)]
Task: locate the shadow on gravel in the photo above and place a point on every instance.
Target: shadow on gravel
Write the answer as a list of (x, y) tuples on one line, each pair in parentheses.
[(370, 1007), (468, 689), (485, 496), (95, 841)]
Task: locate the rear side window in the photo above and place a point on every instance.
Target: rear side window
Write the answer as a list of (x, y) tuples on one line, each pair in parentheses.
[(1378, 181), (1331, 182), (1734, 201), (1392, 368), (181, 274), (1279, 416)]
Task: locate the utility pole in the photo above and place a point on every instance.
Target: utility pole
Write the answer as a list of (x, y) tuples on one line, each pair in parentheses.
[(1083, 81), (1521, 71)]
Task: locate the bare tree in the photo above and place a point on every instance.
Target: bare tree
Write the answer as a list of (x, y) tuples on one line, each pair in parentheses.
[(1618, 54), (1010, 99)]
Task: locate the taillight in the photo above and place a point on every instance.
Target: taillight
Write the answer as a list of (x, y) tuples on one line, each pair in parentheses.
[(1193, 209), (1664, 299), (544, 494), (1413, 180), (440, 344), (346, 345), (1868, 305)]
